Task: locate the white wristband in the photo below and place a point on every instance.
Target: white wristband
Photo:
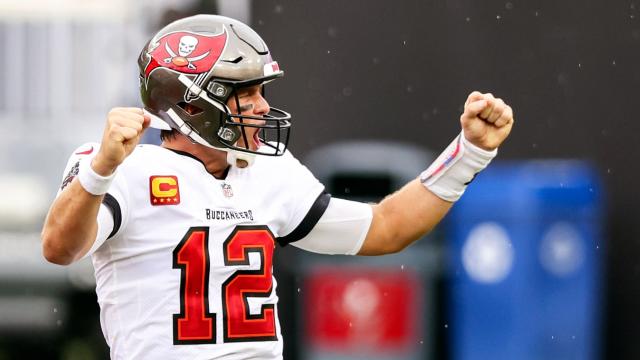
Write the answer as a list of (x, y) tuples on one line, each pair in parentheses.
[(455, 168), (91, 181)]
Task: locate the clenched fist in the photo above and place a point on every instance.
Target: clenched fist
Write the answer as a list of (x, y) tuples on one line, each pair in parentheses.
[(121, 135), (486, 121)]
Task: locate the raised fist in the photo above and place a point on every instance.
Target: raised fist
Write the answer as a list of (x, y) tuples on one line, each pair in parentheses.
[(121, 135), (486, 121)]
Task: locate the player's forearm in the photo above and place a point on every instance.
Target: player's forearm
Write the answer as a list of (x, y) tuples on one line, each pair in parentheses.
[(70, 227), (402, 218)]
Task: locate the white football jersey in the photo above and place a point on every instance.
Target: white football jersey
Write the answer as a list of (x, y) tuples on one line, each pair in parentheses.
[(184, 268)]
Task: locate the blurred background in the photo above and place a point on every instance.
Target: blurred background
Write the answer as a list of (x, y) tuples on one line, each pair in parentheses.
[(539, 260)]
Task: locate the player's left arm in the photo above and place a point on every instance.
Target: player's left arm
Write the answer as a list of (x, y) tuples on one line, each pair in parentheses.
[(413, 211)]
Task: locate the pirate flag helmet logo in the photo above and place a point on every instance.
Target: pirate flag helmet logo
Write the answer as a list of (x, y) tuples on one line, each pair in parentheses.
[(186, 52)]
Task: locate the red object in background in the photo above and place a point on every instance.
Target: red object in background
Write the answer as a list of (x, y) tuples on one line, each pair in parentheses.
[(362, 310)]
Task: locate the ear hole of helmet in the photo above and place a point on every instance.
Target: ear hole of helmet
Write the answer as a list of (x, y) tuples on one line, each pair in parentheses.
[(189, 108)]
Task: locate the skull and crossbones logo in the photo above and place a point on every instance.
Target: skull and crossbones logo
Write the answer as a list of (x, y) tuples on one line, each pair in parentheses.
[(186, 47)]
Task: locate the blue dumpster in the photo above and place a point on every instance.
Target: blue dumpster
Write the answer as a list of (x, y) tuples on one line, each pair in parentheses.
[(525, 263)]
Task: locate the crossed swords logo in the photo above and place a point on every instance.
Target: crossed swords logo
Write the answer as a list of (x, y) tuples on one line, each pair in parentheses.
[(185, 48)]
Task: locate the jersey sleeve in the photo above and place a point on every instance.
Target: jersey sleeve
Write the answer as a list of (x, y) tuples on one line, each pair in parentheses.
[(113, 208), (340, 230), (305, 200), (72, 168), (105, 228)]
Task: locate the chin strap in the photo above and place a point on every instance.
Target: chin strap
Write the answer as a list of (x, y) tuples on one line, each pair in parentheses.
[(156, 122), (234, 158), (239, 158)]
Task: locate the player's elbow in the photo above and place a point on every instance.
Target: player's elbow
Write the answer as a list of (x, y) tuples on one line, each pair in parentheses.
[(390, 234), (382, 245), (56, 256), (393, 237), (395, 244), (384, 236), (52, 249)]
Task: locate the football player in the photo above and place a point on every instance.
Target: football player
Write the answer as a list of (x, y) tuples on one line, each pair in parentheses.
[(182, 235)]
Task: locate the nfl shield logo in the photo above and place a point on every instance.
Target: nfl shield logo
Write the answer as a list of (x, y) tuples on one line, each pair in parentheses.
[(227, 190)]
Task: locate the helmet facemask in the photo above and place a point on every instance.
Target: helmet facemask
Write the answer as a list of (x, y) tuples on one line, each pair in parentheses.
[(272, 134)]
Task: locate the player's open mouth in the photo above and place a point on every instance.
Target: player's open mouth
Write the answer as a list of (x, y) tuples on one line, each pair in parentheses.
[(256, 139)]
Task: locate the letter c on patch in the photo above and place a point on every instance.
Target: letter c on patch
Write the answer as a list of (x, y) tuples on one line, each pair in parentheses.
[(164, 190)]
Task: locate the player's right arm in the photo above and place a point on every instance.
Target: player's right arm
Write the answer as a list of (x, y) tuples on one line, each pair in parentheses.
[(71, 226), (347, 227)]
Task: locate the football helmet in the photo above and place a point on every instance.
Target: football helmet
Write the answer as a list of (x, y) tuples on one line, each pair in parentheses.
[(191, 69)]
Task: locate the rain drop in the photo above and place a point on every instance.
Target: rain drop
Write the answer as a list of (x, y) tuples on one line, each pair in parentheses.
[(536, 13), (402, 267), (278, 9), (498, 17), (298, 289), (59, 322), (468, 19), (613, 63), (347, 91), (404, 42), (508, 5), (328, 51), (55, 310), (446, 326)]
